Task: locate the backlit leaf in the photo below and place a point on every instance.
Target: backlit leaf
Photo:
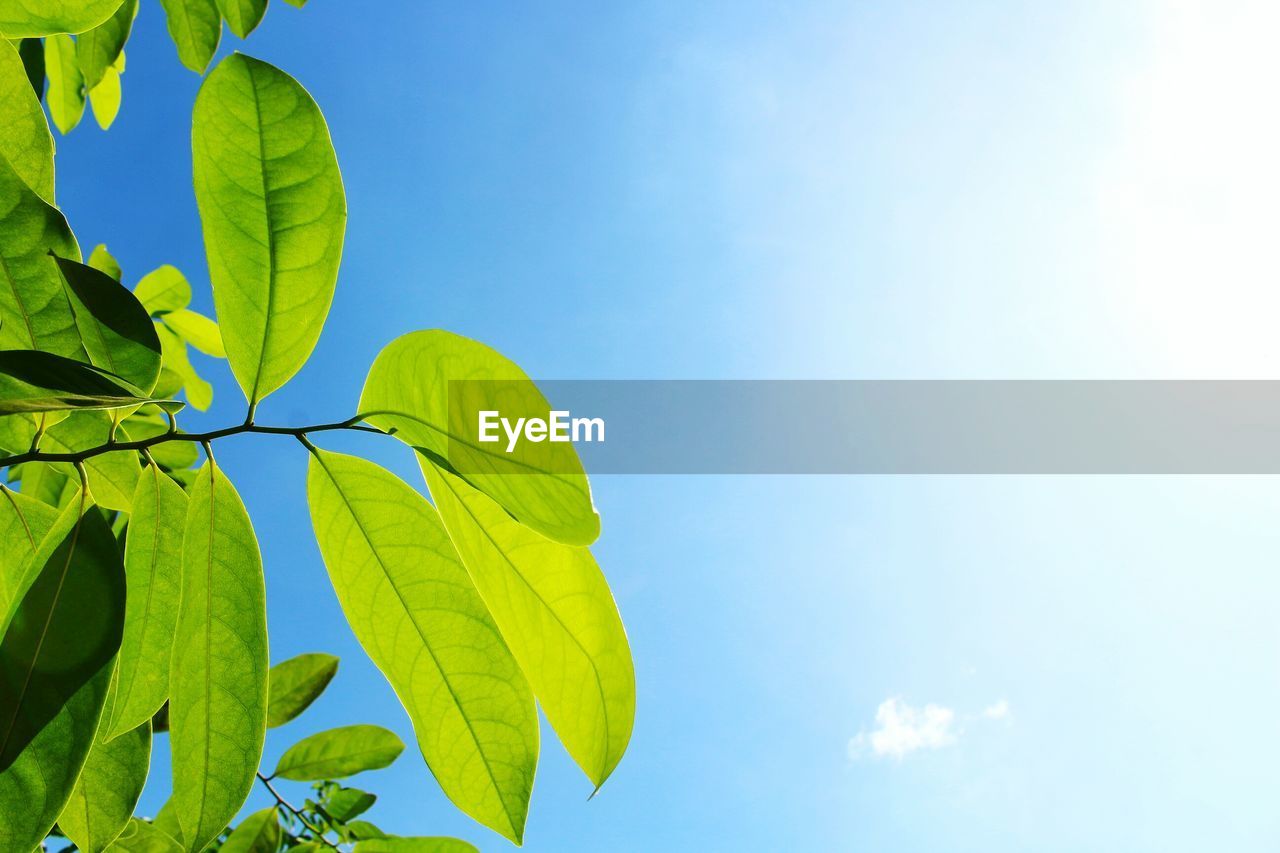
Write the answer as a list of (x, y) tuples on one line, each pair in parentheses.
[(415, 612), (243, 16), (174, 351), (415, 845), (102, 260), (296, 683), (104, 98), (163, 289), (346, 803), (66, 85), (196, 28), (273, 212), (555, 610), (98, 49), (24, 522), (107, 790), (115, 329), (113, 477), (56, 661), (34, 381), (197, 330), (33, 307), (258, 833), (153, 567), (338, 753), (142, 837), (21, 18), (25, 140), (408, 391), (218, 680)]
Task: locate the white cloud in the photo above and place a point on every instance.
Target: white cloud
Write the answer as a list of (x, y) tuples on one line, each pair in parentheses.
[(901, 729)]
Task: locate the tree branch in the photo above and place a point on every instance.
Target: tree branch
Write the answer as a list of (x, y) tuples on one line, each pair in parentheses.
[(319, 835), (202, 437)]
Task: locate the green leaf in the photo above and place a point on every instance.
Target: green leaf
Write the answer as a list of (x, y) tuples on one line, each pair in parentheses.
[(112, 476), (243, 16), (297, 3), (163, 289), (142, 837), (34, 381), (105, 99), (98, 49), (174, 351), (34, 313), (557, 615), (32, 52), (166, 820), (115, 329), (24, 522), (415, 845), (362, 829), (196, 28), (218, 680), (56, 661), (107, 790), (66, 85), (197, 330), (153, 566), (415, 612), (273, 212), (169, 454), (340, 752), (103, 261), (25, 140), (258, 833), (408, 391), (296, 683), (346, 803), (22, 18)]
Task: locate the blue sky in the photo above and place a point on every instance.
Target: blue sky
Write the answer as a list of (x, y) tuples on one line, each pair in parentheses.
[(807, 190)]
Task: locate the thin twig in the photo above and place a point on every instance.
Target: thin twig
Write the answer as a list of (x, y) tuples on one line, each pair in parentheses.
[(319, 835)]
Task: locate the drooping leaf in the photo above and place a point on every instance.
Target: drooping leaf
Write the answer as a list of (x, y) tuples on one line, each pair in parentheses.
[(218, 679), (22, 18), (56, 660), (273, 212), (196, 28), (153, 567), (113, 476), (174, 351), (98, 48), (105, 98), (115, 329), (66, 85), (557, 615), (415, 845), (103, 261), (107, 790), (338, 753), (142, 837), (415, 612), (34, 313), (197, 330), (346, 803), (296, 683), (258, 833), (163, 289), (25, 140), (243, 16), (34, 381), (408, 391), (24, 522)]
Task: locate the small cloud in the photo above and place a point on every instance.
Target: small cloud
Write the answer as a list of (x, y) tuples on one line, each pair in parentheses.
[(901, 729)]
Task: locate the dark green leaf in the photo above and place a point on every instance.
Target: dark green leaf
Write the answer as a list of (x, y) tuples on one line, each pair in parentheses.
[(34, 381), (338, 753), (273, 212), (32, 52), (296, 683), (115, 329), (218, 680)]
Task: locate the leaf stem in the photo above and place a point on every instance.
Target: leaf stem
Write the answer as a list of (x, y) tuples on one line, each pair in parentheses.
[(201, 437), (319, 835)]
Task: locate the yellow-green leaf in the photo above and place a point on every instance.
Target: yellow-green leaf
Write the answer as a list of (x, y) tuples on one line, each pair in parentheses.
[(258, 833), (414, 610), (408, 391), (557, 615), (273, 213), (296, 683), (338, 753), (66, 84), (142, 837), (105, 98), (174, 351), (113, 477), (103, 261), (415, 845), (23, 18), (163, 289), (196, 28), (99, 48), (25, 140), (243, 16), (197, 330), (107, 790), (153, 567), (218, 680), (56, 661), (24, 522)]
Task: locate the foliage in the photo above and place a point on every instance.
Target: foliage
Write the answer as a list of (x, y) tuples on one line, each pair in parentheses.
[(132, 593)]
